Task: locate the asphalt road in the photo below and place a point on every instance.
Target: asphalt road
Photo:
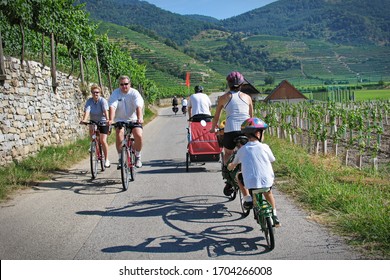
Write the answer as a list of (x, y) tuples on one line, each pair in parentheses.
[(166, 214)]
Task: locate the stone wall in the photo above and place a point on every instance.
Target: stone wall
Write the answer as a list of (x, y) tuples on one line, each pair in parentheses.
[(32, 116)]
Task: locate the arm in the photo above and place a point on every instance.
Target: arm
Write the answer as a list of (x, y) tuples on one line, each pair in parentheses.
[(140, 118), (231, 166), (85, 117), (218, 111), (112, 115)]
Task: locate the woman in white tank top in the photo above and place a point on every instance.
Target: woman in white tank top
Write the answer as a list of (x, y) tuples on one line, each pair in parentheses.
[(238, 107)]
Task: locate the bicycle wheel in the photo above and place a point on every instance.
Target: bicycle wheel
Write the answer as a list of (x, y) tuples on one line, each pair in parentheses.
[(93, 160), (125, 168), (269, 233), (102, 158), (131, 164)]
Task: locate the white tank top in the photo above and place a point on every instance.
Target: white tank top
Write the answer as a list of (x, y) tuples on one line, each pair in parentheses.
[(237, 111)]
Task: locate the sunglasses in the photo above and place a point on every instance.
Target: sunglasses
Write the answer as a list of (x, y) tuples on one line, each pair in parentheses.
[(96, 92), (124, 84)]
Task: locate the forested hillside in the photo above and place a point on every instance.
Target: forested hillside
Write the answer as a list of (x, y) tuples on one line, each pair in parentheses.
[(131, 13), (346, 21)]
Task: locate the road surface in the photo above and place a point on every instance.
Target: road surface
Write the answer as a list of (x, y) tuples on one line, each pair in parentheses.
[(166, 214)]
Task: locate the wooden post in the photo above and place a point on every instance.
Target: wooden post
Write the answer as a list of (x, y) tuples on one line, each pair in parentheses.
[(2, 64), (53, 63)]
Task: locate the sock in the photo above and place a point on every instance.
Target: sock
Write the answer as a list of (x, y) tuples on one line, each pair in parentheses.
[(119, 156), (138, 154), (247, 198), (274, 212)]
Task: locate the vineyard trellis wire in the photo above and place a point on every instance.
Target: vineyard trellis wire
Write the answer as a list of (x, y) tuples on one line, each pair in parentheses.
[(360, 128)]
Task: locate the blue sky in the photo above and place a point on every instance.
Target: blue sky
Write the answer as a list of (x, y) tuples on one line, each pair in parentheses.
[(219, 9)]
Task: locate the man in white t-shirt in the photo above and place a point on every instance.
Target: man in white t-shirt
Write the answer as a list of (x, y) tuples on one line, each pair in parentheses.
[(199, 104), (126, 104)]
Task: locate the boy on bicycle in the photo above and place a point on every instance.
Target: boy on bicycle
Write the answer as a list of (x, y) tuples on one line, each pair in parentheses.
[(256, 164)]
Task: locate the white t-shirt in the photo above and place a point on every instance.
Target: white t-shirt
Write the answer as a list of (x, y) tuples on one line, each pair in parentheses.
[(256, 167), (200, 103), (125, 104)]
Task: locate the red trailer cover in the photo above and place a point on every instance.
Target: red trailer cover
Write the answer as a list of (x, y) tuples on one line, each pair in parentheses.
[(202, 141)]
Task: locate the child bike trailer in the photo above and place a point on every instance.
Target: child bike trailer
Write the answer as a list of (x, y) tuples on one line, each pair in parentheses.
[(203, 145)]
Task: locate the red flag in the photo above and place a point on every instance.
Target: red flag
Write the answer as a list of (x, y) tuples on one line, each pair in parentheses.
[(188, 79)]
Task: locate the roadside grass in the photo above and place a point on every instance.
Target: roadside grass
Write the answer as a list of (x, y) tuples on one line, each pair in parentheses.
[(351, 202)]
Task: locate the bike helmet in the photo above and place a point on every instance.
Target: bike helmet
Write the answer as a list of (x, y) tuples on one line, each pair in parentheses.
[(198, 89), (235, 79), (252, 125)]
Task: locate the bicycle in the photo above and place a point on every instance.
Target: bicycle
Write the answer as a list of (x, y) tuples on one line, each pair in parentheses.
[(96, 149), (231, 185), (127, 159), (262, 210)]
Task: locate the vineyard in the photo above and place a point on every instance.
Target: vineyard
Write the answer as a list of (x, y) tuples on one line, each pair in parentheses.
[(356, 132)]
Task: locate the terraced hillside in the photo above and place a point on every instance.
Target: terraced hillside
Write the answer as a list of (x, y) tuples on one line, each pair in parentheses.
[(166, 66), (320, 62)]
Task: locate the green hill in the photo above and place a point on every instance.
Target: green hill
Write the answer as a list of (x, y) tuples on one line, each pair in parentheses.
[(166, 65), (344, 22), (308, 42)]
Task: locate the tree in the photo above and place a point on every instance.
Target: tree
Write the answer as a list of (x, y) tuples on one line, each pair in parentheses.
[(269, 80)]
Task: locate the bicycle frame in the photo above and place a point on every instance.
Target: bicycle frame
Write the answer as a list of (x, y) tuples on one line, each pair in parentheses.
[(127, 154), (96, 149), (262, 210)]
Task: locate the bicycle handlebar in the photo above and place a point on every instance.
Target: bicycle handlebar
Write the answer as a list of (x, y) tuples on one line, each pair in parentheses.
[(100, 123)]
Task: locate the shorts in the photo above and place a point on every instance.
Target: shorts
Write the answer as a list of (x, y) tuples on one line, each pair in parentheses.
[(103, 129), (228, 139), (241, 179)]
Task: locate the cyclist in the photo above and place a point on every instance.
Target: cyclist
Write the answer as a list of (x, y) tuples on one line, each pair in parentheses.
[(199, 104), (184, 103), (256, 164), (238, 107), (96, 109), (126, 104)]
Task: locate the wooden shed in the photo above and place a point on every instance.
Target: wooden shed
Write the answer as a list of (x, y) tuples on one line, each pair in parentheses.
[(285, 92)]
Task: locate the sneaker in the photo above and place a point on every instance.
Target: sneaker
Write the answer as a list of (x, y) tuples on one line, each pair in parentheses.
[(276, 221), (247, 205), (138, 162), (107, 164), (119, 165), (228, 189)]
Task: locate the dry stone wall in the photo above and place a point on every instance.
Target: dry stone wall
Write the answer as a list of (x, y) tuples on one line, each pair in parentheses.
[(32, 115)]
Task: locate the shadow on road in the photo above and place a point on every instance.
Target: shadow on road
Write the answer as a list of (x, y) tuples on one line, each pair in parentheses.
[(80, 182), (222, 238), (176, 166)]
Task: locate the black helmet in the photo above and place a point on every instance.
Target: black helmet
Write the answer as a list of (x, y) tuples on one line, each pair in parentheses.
[(198, 89)]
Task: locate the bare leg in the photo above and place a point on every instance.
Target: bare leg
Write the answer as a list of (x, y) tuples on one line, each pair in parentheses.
[(244, 191), (270, 198), (119, 139), (226, 155), (137, 133), (103, 141)]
